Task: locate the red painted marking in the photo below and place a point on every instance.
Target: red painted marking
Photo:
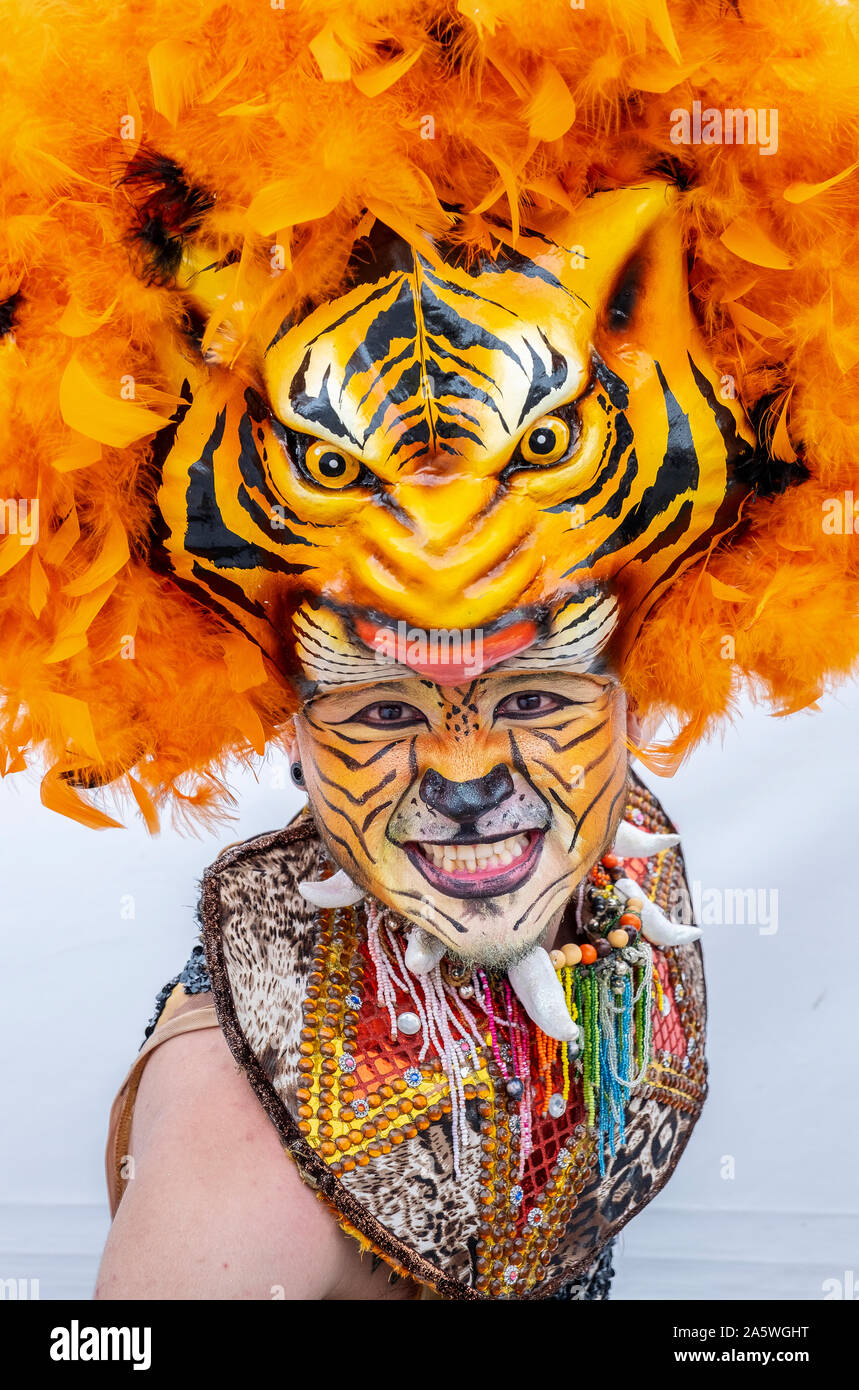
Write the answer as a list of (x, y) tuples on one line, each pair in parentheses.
[(497, 646)]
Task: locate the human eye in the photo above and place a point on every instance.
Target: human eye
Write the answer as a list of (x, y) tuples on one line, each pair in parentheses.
[(388, 714), (529, 704)]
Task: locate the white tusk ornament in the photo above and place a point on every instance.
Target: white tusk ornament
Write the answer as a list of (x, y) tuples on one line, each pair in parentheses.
[(423, 952), (631, 842), (539, 990), (658, 928), (336, 891)]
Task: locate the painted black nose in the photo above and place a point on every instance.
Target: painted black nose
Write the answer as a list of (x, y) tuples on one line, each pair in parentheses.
[(465, 801)]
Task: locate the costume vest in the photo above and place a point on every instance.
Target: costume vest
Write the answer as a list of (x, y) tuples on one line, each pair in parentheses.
[(369, 1124)]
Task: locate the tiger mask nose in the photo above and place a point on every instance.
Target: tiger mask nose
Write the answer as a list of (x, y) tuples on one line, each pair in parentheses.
[(465, 802)]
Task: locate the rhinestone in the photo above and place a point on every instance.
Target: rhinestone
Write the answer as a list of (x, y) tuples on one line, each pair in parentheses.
[(353, 1001), (361, 1108), (557, 1105), (535, 1217), (637, 816), (679, 992), (516, 1195), (346, 1062), (565, 1158), (666, 1006), (691, 1044), (408, 1023), (511, 1274), (685, 1064), (413, 1076)]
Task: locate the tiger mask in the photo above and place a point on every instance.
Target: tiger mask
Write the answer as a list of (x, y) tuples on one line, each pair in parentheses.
[(455, 437)]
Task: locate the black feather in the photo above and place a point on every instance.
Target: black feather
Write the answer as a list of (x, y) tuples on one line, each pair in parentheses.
[(760, 470), (7, 313), (168, 209)]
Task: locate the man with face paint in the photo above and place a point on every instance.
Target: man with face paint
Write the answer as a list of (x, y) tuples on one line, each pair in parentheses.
[(397, 388), (459, 975), (457, 985), (458, 814)]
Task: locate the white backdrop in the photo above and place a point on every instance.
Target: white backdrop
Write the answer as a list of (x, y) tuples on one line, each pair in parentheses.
[(764, 1202)]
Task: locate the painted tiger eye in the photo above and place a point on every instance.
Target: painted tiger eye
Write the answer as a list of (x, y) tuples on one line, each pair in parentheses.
[(547, 441), (330, 467)]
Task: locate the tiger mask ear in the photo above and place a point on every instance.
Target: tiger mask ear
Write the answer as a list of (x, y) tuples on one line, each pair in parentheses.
[(607, 252), (623, 255)]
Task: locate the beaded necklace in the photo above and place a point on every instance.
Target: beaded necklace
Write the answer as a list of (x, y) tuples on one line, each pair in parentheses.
[(608, 983)]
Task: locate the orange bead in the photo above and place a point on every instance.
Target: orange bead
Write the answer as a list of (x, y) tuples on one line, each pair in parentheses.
[(630, 919), (610, 861), (589, 954)]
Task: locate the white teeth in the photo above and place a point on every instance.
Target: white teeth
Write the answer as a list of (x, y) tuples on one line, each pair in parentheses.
[(474, 858)]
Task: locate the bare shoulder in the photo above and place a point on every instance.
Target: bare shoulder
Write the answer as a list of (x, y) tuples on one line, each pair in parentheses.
[(215, 1208)]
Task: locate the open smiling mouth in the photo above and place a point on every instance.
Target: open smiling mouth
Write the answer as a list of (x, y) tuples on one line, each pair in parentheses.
[(479, 870)]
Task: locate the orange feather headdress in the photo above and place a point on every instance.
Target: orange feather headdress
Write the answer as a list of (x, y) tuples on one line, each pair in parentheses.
[(295, 126)]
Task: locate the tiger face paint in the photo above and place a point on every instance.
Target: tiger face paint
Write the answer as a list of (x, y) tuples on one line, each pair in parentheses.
[(471, 809), (449, 439)]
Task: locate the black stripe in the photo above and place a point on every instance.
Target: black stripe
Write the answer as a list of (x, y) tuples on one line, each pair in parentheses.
[(564, 747), (357, 800), (595, 802), (344, 318), (371, 816), (338, 811)]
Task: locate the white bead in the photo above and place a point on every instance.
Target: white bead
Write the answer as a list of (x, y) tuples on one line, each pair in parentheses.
[(408, 1023), (557, 1105)]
